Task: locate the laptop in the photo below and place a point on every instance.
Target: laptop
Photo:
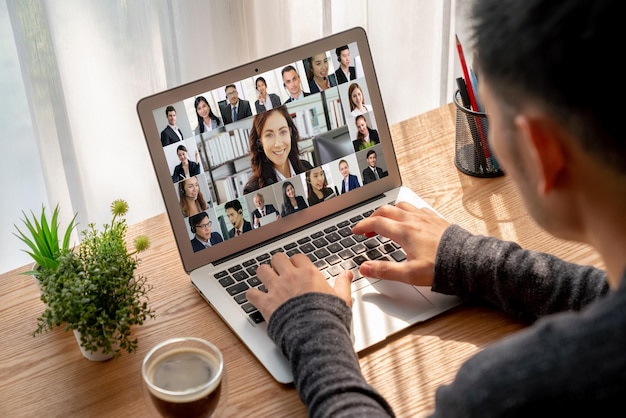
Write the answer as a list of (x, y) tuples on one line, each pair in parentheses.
[(210, 205), (267, 219)]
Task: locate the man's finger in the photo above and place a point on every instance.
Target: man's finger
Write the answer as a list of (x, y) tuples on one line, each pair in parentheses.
[(342, 286)]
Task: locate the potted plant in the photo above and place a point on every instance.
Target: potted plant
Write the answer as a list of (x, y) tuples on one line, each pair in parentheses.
[(42, 237), (94, 291)]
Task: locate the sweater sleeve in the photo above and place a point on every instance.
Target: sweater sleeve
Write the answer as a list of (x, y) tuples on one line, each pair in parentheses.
[(312, 331), (523, 283)]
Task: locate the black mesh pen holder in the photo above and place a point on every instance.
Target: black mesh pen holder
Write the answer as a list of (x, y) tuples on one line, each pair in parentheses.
[(472, 154)]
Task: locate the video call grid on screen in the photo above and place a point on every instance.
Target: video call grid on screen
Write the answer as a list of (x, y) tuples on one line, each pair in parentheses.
[(327, 130)]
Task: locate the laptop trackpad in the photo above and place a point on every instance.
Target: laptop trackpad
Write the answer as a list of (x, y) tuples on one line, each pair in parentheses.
[(385, 307)]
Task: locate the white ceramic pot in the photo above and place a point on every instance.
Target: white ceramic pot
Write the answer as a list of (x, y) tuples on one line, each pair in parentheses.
[(90, 355), (34, 267)]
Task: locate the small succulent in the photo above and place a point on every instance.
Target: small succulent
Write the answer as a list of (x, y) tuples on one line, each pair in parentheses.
[(42, 238)]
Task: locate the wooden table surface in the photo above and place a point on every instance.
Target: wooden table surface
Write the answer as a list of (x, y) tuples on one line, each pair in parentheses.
[(46, 375)]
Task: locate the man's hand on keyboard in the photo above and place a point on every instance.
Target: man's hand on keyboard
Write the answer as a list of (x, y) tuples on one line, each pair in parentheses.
[(288, 277), (417, 231)]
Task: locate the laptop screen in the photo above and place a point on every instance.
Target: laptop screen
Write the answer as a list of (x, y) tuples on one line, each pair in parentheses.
[(255, 152)]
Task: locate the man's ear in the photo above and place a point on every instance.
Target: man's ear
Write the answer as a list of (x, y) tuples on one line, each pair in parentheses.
[(546, 150)]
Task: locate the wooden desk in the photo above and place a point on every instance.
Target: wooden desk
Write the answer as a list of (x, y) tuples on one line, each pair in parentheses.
[(47, 375)]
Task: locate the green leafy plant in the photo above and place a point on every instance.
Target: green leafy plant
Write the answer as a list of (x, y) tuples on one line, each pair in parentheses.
[(42, 237), (94, 289)]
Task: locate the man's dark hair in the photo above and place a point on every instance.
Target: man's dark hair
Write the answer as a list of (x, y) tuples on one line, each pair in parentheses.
[(370, 152), (169, 109), (552, 53), (196, 219), (341, 48), (235, 204), (288, 68)]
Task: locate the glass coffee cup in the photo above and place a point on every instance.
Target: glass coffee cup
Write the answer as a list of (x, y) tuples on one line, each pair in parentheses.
[(185, 377)]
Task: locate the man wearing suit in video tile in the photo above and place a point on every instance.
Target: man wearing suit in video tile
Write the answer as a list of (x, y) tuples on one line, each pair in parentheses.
[(171, 133), (237, 108)]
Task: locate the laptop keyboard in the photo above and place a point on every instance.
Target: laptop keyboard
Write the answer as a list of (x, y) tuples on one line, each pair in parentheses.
[(332, 250)]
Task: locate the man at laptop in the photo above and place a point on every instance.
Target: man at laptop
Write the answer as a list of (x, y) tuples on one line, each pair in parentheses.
[(261, 210), (234, 212), (563, 145)]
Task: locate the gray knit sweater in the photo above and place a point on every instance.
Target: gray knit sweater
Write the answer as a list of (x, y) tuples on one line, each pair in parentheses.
[(571, 362)]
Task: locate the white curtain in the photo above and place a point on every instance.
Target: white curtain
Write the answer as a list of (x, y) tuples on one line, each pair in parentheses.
[(84, 64)]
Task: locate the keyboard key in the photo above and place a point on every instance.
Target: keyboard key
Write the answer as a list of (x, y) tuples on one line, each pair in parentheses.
[(347, 242), (241, 298), (237, 288), (346, 254), (226, 281), (348, 264), (321, 253), (248, 307), (263, 257), (220, 274), (335, 270), (383, 239), (399, 255), (320, 264), (388, 248), (334, 248), (345, 231), (320, 242), (333, 237), (240, 275), (307, 248), (316, 235), (358, 248), (374, 254), (371, 243), (359, 237), (256, 317), (342, 224), (253, 281)]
